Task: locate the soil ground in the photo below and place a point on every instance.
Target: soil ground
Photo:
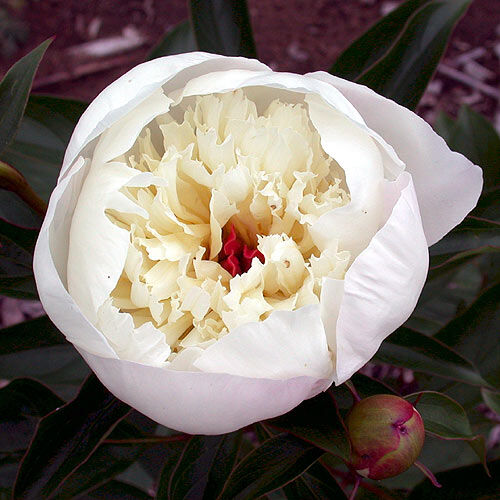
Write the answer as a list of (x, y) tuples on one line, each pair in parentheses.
[(291, 35)]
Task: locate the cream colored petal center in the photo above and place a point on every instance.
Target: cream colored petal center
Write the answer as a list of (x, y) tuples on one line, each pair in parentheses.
[(221, 165)]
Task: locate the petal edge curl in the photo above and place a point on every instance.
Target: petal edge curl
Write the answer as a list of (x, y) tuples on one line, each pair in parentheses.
[(447, 184), (383, 284), (199, 402)]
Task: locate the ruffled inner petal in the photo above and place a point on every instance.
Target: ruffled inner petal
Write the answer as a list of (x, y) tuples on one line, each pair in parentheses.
[(220, 218)]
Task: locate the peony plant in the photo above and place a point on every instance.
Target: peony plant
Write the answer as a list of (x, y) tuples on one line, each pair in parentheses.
[(225, 241), (227, 246)]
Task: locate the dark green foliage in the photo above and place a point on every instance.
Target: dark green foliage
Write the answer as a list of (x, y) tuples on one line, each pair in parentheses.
[(178, 40), (316, 421), (38, 332), (272, 465), (464, 483), (202, 469), (409, 44), (14, 91), (66, 438), (223, 27)]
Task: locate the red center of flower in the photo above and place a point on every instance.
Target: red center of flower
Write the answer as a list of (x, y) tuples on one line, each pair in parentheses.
[(236, 256)]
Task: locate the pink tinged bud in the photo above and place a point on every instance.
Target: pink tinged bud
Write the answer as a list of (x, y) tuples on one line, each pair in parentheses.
[(387, 435)]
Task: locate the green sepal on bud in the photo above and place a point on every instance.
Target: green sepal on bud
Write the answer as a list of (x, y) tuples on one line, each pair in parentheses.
[(387, 435)]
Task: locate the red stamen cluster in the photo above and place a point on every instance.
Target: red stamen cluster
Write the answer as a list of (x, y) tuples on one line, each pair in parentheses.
[(236, 256)]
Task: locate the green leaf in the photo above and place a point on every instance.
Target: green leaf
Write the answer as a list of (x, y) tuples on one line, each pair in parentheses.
[(66, 438), (492, 399), (16, 263), (476, 334), (14, 210), (22, 403), (178, 40), (404, 72), (278, 461), (14, 91), (105, 463), (411, 56), (473, 136), (12, 180), (421, 353), (171, 455), (203, 468), (375, 43), (447, 291), (27, 398), (19, 288), (476, 138), (24, 238), (474, 237), (261, 432), (464, 483), (57, 114), (444, 125), (446, 263), (60, 367), (445, 418), (31, 334), (223, 27), (8, 469), (116, 490), (37, 152), (367, 386), (466, 238), (316, 421), (38, 149), (315, 484)]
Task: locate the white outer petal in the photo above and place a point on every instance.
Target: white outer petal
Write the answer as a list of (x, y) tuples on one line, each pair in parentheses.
[(121, 136), (448, 185), (354, 224), (201, 403), (382, 286), (287, 344), (49, 265), (233, 79), (124, 94), (97, 247)]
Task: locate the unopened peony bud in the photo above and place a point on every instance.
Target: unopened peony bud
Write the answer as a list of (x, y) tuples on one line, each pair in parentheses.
[(387, 435)]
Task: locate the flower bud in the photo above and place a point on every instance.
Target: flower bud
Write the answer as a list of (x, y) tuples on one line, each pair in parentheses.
[(387, 435)]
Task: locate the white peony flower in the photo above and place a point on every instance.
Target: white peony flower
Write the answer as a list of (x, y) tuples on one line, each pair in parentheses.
[(226, 241)]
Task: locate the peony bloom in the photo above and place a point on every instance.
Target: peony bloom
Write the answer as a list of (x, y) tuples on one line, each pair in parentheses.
[(226, 241)]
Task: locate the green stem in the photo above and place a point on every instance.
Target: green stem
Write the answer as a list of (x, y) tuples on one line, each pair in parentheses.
[(428, 473), (353, 391), (149, 440), (13, 180)]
